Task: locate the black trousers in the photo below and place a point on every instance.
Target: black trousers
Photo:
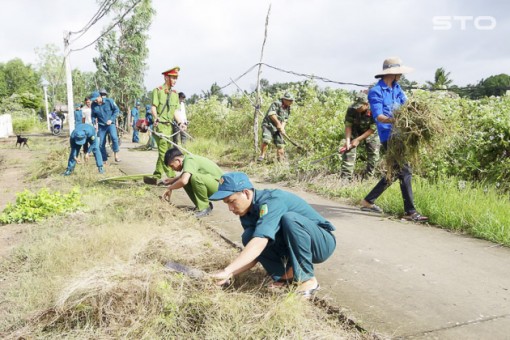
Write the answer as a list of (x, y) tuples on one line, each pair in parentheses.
[(404, 176)]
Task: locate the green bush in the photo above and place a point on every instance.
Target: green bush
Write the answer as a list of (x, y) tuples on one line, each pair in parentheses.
[(30, 207)]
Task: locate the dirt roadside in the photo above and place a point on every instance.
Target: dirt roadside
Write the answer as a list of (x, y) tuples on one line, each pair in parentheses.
[(14, 165)]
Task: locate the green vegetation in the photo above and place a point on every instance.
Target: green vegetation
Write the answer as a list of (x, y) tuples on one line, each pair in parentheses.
[(471, 146), (99, 273), (34, 207)]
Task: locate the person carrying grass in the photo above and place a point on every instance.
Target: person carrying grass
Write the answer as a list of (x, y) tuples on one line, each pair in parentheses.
[(384, 98)]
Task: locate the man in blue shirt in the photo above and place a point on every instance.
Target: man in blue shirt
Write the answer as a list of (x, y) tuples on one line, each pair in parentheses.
[(384, 98), (82, 134), (281, 231), (78, 114), (104, 115), (135, 114)]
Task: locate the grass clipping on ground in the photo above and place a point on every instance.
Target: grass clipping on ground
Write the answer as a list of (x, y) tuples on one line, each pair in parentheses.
[(99, 273), (417, 125)]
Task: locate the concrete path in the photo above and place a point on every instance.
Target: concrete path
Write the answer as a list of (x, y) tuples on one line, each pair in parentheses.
[(398, 279)]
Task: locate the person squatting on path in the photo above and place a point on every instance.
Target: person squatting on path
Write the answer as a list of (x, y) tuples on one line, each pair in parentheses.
[(281, 231), (180, 122), (135, 115), (199, 178), (104, 114), (82, 134), (360, 126), (384, 98), (273, 126), (165, 101)]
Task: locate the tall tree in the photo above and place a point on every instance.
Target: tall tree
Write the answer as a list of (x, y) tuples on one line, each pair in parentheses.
[(494, 85), (20, 78), (441, 79), (51, 67), (123, 52), (83, 85)]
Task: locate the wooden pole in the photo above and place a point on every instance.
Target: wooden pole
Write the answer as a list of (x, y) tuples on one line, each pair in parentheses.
[(258, 102)]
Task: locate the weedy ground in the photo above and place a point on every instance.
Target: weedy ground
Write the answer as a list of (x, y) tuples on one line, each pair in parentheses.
[(99, 272)]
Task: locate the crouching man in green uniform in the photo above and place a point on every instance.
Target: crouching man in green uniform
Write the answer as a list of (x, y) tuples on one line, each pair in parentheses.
[(359, 125), (165, 101), (273, 126), (199, 178), (281, 231)]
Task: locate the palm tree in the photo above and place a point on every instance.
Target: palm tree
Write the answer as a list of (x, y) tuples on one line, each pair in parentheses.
[(441, 79)]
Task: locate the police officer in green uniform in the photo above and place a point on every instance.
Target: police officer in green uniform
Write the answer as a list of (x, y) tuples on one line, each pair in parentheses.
[(165, 101), (273, 126), (199, 178), (281, 231), (359, 127)]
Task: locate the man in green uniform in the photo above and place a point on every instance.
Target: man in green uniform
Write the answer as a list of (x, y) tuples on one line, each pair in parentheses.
[(165, 101), (281, 231), (359, 125), (273, 126), (199, 178)]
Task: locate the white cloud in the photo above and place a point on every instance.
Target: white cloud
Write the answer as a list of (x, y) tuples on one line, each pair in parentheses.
[(214, 40)]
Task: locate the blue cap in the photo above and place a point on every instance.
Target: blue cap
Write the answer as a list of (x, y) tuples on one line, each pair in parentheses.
[(94, 95), (80, 137), (147, 108), (77, 105), (230, 183)]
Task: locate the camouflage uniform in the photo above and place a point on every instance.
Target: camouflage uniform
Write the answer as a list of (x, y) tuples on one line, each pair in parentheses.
[(360, 123), (269, 131)]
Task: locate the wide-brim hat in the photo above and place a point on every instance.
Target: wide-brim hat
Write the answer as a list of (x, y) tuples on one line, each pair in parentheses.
[(288, 96), (360, 100), (230, 183), (393, 65)]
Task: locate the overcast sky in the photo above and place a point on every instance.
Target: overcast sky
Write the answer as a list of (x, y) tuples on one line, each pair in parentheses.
[(347, 41)]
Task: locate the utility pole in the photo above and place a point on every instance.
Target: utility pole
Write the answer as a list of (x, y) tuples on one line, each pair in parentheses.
[(258, 102), (69, 81), (45, 88)]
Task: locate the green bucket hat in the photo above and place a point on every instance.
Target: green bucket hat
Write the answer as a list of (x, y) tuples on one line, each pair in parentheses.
[(288, 96), (360, 99)]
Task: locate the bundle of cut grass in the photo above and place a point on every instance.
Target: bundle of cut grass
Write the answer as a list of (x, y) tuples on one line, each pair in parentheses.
[(417, 123)]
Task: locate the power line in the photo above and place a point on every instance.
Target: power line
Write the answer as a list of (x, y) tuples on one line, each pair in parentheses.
[(109, 29), (101, 12), (326, 80)]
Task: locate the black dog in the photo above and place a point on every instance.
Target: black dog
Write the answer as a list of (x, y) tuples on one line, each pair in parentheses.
[(22, 141)]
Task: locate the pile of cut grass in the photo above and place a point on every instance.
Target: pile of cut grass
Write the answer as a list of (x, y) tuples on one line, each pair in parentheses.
[(417, 124)]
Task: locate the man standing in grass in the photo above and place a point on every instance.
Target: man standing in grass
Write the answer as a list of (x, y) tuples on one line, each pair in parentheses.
[(199, 178), (104, 114), (273, 126), (281, 231), (384, 98), (360, 125), (165, 101)]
